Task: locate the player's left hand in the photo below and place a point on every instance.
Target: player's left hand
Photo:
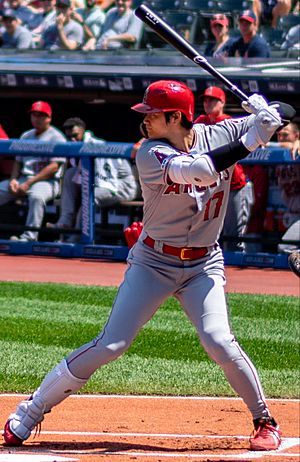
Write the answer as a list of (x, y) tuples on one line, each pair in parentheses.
[(265, 124), (255, 103)]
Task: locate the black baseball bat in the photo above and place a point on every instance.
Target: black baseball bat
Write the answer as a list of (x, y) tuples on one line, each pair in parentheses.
[(155, 22)]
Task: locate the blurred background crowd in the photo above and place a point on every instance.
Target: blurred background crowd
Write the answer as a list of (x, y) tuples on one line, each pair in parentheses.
[(221, 28)]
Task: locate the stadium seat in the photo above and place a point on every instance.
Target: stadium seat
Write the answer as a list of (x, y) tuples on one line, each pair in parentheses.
[(161, 5), (286, 22), (274, 37), (199, 6), (232, 8), (184, 22), (136, 3)]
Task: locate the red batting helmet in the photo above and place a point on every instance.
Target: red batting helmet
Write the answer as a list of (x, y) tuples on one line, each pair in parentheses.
[(167, 95)]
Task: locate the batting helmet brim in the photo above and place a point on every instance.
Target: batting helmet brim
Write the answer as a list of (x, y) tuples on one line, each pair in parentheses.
[(145, 108)]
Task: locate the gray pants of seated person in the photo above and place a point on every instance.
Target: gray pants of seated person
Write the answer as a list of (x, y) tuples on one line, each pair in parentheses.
[(38, 195), (237, 216), (70, 213)]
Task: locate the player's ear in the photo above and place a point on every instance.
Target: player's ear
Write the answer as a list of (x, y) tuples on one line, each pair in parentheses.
[(177, 116), (143, 130)]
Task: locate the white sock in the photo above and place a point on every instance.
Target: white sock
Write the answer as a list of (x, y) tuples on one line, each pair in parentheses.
[(56, 386)]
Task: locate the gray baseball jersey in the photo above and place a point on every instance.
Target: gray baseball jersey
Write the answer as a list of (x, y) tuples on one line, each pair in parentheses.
[(196, 217)]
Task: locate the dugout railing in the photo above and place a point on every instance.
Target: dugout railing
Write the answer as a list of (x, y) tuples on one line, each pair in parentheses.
[(87, 248)]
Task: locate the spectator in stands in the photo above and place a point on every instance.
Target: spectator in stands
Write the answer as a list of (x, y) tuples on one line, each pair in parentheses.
[(250, 44), (48, 16), (15, 36), (114, 180), (91, 18), (289, 137), (241, 191), (292, 39), (27, 15), (268, 12), (120, 29), (36, 178), (219, 26), (65, 33), (289, 182), (296, 7)]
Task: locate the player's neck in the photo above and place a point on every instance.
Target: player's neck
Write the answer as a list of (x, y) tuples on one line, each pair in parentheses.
[(183, 141)]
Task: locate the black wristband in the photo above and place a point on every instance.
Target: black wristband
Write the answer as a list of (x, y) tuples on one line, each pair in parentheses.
[(227, 155)]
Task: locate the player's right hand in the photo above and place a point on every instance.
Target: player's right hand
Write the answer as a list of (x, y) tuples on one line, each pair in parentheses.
[(255, 103)]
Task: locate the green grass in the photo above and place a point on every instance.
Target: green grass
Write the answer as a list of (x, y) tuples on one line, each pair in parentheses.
[(42, 323)]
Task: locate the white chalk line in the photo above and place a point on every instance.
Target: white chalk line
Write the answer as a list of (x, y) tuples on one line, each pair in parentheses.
[(145, 435), (287, 443), (33, 458), (155, 397)]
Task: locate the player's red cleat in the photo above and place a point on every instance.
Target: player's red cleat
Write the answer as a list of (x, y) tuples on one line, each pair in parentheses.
[(10, 438), (266, 435)]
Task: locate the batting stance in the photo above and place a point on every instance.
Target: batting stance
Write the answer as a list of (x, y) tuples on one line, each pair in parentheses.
[(185, 173)]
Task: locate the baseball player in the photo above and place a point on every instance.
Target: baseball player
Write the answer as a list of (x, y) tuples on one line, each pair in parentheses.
[(185, 173), (38, 178), (241, 191)]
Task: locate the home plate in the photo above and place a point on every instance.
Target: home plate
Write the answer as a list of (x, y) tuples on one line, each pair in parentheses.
[(32, 458)]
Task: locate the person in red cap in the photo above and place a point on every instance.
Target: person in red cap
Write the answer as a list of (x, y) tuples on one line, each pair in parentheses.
[(250, 44), (219, 26), (185, 172), (241, 193), (37, 178)]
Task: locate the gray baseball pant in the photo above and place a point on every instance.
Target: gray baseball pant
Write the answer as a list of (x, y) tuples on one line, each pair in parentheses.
[(150, 279)]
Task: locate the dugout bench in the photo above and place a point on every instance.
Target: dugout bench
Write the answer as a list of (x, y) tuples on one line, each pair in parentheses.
[(110, 222)]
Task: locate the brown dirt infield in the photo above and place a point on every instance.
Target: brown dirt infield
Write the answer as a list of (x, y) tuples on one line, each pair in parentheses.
[(105, 273), (153, 429), (147, 429)]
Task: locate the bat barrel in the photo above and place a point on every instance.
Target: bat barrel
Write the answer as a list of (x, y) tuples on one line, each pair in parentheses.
[(169, 35)]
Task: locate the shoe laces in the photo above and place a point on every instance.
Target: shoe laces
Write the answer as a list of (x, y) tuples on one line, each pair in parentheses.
[(264, 426)]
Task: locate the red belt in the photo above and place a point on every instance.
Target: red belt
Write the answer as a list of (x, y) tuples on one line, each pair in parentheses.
[(184, 253)]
